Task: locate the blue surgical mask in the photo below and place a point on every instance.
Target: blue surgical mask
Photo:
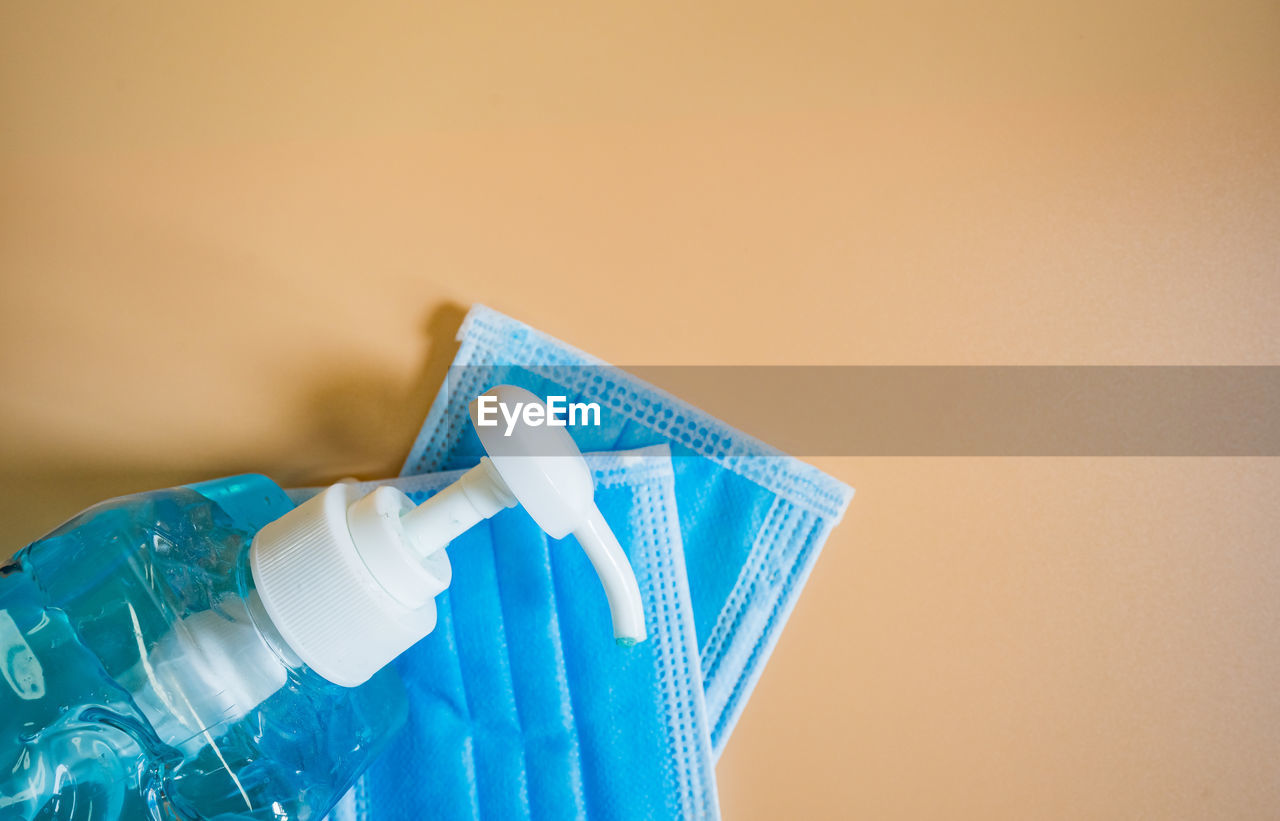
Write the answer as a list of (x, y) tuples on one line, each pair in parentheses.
[(521, 703), (753, 520)]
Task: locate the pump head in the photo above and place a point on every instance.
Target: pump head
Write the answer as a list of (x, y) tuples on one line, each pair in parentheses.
[(349, 581)]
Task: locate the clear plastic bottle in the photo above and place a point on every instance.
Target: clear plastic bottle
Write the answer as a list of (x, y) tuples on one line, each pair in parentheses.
[(101, 716), (213, 652)]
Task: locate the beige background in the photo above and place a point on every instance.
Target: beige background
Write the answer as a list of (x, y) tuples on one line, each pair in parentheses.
[(239, 236)]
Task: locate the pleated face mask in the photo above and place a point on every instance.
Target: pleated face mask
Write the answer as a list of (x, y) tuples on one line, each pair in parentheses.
[(521, 703), (752, 519)]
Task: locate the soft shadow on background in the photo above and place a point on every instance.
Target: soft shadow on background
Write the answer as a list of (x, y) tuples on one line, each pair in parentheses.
[(356, 423)]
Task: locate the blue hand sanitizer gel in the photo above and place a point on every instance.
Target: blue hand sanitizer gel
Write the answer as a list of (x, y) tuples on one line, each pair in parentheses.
[(213, 652), (143, 679)]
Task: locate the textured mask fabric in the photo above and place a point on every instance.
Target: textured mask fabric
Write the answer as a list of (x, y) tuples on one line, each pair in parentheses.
[(522, 705), (753, 520)]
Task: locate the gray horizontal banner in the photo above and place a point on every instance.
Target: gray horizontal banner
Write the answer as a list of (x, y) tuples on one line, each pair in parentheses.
[(949, 411)]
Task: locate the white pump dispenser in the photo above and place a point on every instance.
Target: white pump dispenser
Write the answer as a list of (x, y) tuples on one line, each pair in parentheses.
[(349, 582)]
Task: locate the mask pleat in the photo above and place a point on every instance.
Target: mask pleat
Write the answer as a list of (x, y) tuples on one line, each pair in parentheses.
[(548, 737), (480, 627), (438, 699)]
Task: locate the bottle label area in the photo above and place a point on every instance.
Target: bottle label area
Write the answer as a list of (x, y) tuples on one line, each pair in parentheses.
[(19, 665)]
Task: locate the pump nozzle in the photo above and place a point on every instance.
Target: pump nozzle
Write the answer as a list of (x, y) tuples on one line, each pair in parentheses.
[(349, 581), (543, 468)]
